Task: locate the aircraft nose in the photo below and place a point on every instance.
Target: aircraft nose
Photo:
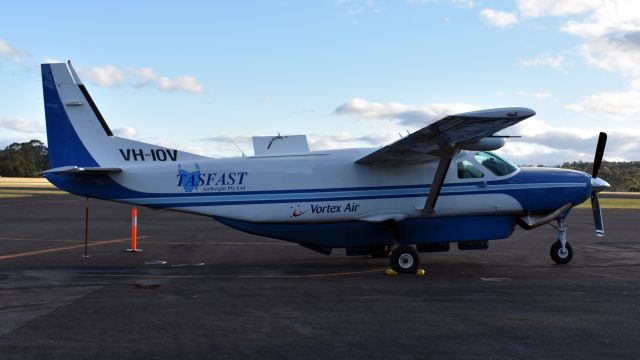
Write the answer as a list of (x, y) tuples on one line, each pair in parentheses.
[(598, 185)]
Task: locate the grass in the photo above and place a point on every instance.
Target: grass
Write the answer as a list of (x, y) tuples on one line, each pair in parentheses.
[(21, 187), (611, 203), (11, 196)]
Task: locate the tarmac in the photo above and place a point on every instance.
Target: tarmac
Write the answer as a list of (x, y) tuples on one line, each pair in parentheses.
[(223, 294)]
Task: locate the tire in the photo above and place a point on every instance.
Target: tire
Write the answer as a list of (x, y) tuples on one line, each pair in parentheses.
[(557, 254), (404, 259)]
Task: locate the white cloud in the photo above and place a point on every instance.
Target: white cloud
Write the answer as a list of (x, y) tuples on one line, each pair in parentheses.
[(499, 18), (406, 114), (608, 17), (345, 140), (467, 4), (542, 143), (110, 75), (538, 8), (610, 31), (13, 54), (181, 83), (555, 62), (620, 52), (22, 125), (614, 104), (143, 76), (50, 60), (126, 131), (147, 75)]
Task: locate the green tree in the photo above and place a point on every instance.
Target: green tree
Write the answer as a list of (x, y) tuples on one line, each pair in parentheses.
[(24, 159), (623, 176)]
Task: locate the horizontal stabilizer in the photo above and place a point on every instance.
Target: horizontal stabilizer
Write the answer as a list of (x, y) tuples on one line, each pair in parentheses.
[(82, 170)]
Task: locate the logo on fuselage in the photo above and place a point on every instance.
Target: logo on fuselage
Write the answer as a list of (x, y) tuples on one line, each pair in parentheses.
[(297, 212), (322, 209), (210, 181)]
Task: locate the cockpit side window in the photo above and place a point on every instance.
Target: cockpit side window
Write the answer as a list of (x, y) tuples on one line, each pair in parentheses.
[(466, 170), (495, 164)]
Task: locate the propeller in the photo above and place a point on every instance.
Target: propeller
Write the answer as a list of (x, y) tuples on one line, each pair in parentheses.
[(597, 160), (597, 184)]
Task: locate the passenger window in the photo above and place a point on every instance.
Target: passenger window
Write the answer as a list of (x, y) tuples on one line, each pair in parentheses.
[(495, 164), (466, 170)]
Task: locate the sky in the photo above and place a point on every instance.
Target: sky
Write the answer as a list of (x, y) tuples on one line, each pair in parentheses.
[(206, 76)]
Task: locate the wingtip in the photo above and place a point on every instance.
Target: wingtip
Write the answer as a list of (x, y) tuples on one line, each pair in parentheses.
[(520, 112)]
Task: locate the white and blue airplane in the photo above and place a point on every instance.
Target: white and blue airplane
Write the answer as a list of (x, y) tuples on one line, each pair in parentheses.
[(438, 185)]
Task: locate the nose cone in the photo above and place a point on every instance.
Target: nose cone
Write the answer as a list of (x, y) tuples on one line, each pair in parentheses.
[(598, 185)]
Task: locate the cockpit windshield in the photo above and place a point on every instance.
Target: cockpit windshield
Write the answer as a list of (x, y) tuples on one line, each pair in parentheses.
[(497, 165)]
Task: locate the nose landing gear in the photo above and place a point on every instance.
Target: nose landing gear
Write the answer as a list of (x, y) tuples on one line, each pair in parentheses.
[(561, 252)]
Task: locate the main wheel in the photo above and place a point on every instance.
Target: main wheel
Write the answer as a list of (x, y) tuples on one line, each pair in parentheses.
[(559, 255), (404, 259)]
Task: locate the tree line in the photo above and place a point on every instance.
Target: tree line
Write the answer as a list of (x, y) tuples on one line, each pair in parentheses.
[(27, 159), (30, 159), (623, 176)]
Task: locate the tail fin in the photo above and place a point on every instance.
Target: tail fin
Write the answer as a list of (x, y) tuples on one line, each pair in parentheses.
[(72, 118), (78, 135)]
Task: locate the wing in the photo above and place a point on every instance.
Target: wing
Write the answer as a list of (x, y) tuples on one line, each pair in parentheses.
[(442, 140), (446, 136)]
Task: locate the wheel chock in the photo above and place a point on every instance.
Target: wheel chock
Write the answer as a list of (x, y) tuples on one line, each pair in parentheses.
[(421, 272), (390, 272)]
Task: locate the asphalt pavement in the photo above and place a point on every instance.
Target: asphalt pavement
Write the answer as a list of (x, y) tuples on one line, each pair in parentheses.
[(200, 290)]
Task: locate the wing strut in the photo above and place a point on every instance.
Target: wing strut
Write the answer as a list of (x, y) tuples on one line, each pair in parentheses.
[(438, 180)]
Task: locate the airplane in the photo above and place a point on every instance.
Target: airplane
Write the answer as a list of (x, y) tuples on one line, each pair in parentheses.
[(441, 184)]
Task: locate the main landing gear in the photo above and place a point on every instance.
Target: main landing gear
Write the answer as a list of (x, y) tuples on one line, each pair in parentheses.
[(561, 252), (404, 259)]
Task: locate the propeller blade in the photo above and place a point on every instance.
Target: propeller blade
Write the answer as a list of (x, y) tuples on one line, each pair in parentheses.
[(597, 214), (597, 160)]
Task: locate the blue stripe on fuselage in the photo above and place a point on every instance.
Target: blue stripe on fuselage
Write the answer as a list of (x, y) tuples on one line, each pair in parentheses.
[(535, 190)]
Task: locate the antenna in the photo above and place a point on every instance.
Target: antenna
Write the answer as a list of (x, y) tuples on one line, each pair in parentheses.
[(237, 147), (279, 137)]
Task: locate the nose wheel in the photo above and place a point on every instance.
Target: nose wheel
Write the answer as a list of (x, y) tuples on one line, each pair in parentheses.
[(404, 259), (561, 255)]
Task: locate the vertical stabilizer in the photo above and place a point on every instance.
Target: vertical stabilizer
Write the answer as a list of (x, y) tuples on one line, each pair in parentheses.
[(73, 127)]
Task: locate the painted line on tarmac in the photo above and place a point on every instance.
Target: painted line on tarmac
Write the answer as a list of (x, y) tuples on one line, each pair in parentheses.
[(346, 273), (31, 203), (63, 248), (37, 240)]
